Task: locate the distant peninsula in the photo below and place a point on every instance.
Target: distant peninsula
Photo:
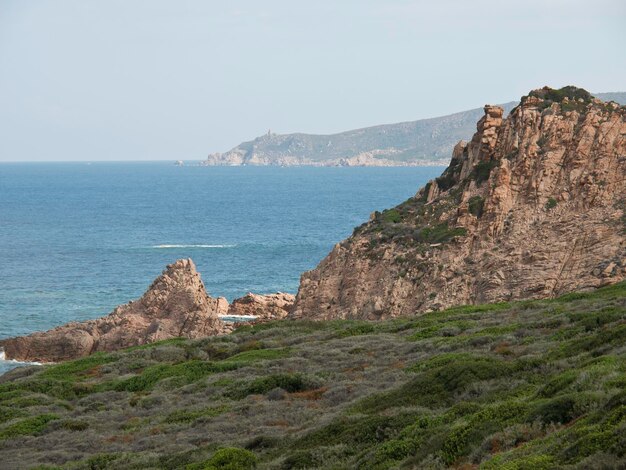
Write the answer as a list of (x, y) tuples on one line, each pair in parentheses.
[(425, 142)]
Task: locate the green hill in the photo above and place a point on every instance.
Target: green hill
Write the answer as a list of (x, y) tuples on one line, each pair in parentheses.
[(533, 384), (423, 142)]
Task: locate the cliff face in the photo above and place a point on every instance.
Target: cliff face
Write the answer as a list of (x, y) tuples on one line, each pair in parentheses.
[(532, 207), (176, 304)]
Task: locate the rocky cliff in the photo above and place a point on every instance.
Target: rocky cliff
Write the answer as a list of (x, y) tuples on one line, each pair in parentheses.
[(532, 207), (176, 304)]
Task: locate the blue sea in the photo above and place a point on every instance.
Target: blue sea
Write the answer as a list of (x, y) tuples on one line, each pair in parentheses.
[(77, 239)]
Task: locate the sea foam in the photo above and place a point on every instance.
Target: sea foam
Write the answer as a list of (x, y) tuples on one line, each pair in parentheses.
[(8, 364)]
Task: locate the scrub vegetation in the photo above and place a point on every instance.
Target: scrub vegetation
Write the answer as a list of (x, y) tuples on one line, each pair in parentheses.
[(532, 384)]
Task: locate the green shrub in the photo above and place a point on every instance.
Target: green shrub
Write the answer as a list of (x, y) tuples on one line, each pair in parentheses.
[(8, 413), (558, 95), (356, 431), (99, 462), (289, 382), (534, 462), (439, 234), (186, 416), (475, 206), (74, 425), (482, 171), (558, 384), (437, 382), (446, 181), (560, 410), (357, 329), (228, 458), (71, 370), (57, 388), (28, 401), (263, 442), (27, 426), (392, 451), (551, 204), (258, 355), (392, 216), (185, 372), (299, 459)]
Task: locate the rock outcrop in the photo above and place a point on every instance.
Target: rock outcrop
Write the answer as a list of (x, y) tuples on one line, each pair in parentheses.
[(264, 307), (175, 305), (532, 207)]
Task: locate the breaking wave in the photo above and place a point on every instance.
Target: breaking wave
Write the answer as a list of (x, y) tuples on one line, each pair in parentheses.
[(8, 364)]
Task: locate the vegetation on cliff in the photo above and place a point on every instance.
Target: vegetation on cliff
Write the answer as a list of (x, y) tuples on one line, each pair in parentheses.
[(531, 384)]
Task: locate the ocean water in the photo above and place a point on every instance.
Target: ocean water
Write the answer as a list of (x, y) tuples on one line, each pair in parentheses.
[(77, 239)]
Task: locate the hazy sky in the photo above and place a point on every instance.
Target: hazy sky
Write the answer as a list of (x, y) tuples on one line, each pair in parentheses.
[(177, 79)]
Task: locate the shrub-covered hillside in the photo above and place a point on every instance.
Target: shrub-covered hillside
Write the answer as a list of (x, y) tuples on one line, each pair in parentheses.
[(538, 384)]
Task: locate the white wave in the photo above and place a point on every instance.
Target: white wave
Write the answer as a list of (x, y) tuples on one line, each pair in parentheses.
[(237, 318), (193, 246), (3, 358), (24, 363)]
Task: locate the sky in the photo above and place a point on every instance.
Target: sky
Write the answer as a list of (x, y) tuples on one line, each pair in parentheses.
[(179, 79)]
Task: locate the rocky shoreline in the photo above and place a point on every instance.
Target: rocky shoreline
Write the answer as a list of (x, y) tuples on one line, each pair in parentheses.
[(367, 159), (175, 305)]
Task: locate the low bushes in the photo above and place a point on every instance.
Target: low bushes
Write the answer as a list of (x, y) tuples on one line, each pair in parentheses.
[(536, 384), (27, 426), (187, 416), (475, 206), (229, 458), (289, 382)]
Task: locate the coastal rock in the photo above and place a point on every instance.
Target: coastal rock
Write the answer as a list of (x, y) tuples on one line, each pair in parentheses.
[(175, 305), (532, 207), (264, 307)]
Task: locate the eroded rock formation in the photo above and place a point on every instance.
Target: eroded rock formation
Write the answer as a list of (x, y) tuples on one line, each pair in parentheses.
[(264, 307), (532, 207), (176, 304)]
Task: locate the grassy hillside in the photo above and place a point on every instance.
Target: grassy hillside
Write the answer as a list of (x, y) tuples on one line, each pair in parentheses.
[(535, 384)]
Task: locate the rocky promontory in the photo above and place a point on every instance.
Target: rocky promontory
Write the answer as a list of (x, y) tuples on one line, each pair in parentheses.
[(532, 207), (175, 305)]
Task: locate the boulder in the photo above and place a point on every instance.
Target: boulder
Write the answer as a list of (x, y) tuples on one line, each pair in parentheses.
[(264, 307)]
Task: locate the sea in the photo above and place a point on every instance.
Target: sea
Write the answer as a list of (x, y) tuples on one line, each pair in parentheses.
[(77, 239)]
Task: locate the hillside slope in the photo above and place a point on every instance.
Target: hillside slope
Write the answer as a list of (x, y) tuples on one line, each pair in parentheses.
[(532, 207), (422, 142), (533, 384)]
